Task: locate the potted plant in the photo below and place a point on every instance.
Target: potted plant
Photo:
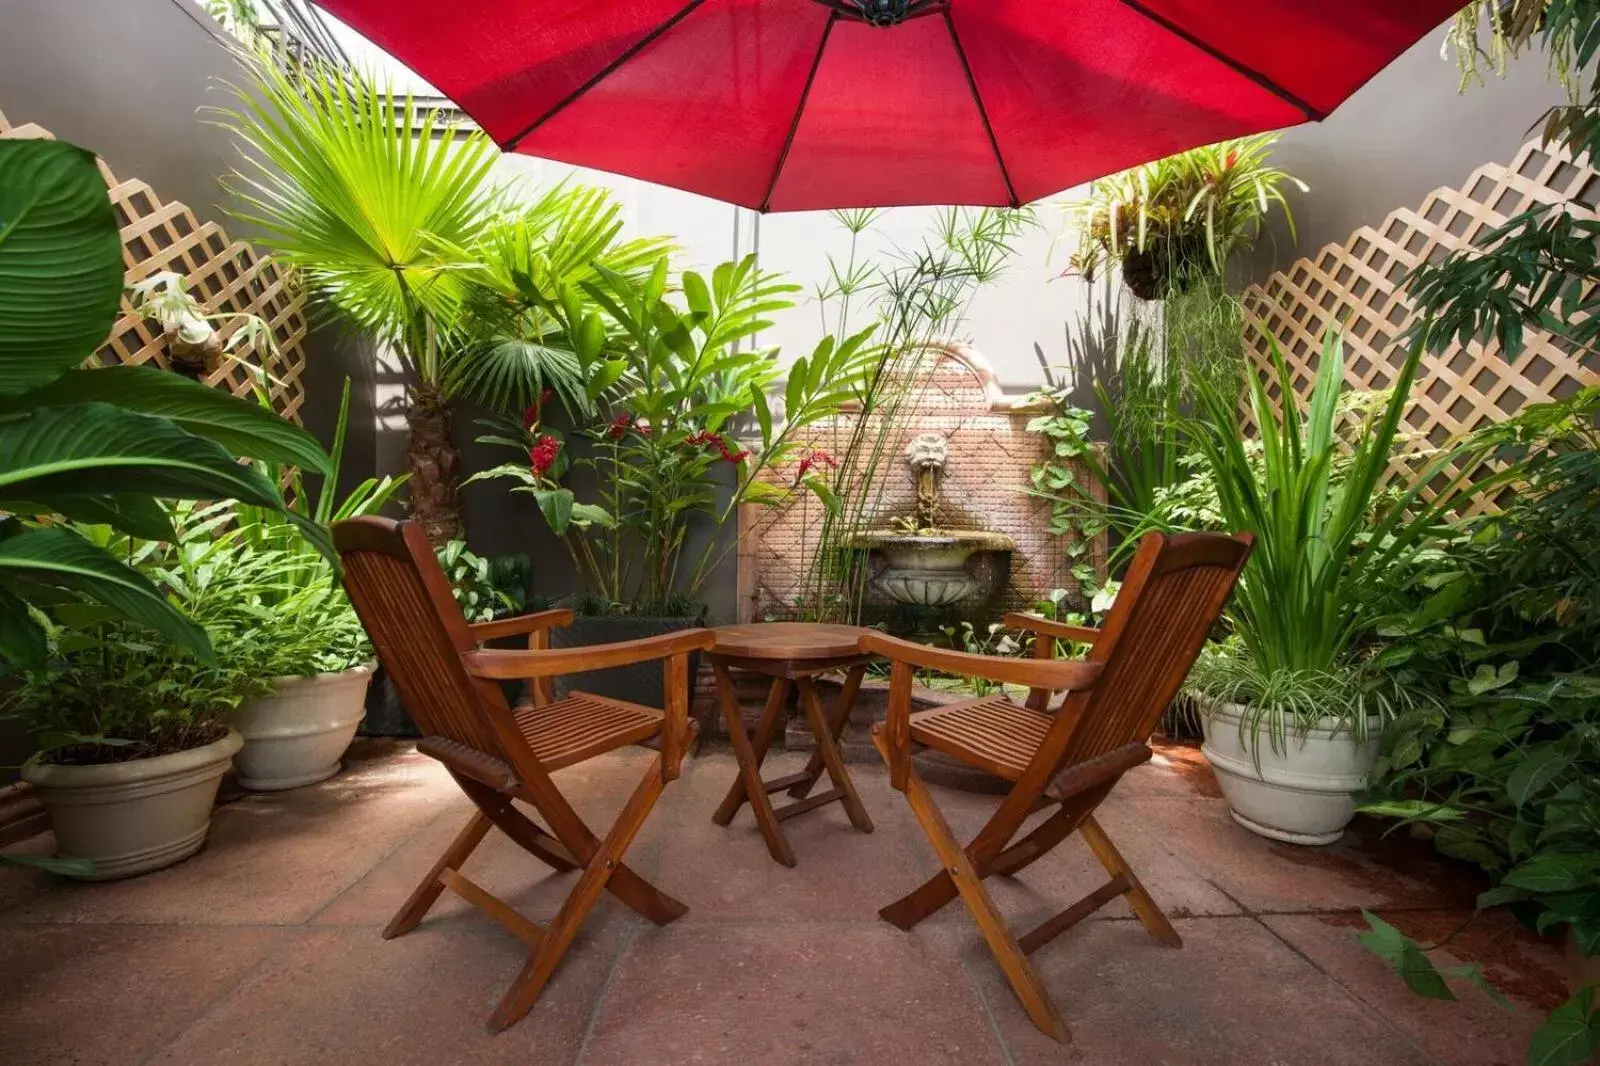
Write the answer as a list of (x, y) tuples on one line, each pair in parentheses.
[(1292, 706), (118, 684), (305, 635), (1171, 222), (666, 465)]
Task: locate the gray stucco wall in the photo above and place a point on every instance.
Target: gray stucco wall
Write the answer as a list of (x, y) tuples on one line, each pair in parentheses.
[(1407, 132)]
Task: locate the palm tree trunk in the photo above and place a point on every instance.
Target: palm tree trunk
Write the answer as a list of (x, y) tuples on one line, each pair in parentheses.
[(435, 465)]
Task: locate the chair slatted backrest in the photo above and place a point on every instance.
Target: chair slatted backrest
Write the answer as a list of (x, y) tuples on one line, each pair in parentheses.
[(1175, 590), (404, 600)]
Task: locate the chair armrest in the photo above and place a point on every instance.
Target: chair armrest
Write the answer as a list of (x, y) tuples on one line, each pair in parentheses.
[(1034, 673), (522, 623), (504, 664), (1046, 628)]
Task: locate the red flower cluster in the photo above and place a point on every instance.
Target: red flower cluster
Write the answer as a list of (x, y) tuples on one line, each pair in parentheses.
[(620, 425), (707, 439), (535, 410), (815, 459), (542, 456)]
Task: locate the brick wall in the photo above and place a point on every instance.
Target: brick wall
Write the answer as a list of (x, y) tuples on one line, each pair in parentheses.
[(952, 393)]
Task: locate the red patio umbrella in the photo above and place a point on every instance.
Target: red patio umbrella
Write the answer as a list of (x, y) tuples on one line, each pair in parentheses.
[(791, 105)]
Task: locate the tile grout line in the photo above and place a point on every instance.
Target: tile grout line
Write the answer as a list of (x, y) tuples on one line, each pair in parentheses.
[(1006, 1057), (178, 1031), (605, 990), (1349, 993)]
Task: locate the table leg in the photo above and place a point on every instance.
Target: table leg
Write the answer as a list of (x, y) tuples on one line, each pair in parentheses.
[(843, 704), (771, 716), (829, 750), (755, 790)]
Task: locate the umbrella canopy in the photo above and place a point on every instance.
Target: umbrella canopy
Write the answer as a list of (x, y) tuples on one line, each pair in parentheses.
[(790, 105)]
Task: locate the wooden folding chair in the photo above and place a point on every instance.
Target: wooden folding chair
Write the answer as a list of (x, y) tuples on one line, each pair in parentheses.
[(1066, 762), (497, 754)]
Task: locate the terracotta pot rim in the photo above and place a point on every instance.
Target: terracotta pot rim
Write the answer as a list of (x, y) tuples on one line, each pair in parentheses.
[(367, 667)]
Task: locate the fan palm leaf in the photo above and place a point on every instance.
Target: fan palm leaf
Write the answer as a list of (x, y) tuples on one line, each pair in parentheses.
[(349, 186)]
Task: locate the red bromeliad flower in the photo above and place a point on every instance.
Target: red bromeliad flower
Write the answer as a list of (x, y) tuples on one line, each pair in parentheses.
[(620, 425), (542, 456), (707, 439), (815, 459), (535, 410)]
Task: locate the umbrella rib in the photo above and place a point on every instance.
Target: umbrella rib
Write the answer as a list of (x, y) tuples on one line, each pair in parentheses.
[(606, 71), (805, 95), (983, 112), (1312, 113)]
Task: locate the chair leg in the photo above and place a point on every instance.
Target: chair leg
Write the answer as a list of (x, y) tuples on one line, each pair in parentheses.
[(828, 750), (427, 893), (1138, 899), (840, 714), (1037, 844), (603, 863), (1013, 961)]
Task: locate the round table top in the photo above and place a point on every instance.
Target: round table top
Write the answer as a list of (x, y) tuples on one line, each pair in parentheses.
[(787, 640)]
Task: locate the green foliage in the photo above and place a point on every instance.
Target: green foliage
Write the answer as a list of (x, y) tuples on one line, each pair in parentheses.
[(485, 588), (366, 199), (666, 460), (908, 301), (100, 445), (1174, 221), (1303, 603)]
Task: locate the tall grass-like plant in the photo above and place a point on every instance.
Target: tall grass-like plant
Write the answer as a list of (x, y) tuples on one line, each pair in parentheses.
[(1301, 603)]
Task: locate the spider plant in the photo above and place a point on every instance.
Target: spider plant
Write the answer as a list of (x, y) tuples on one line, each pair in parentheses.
[(1175, 220)]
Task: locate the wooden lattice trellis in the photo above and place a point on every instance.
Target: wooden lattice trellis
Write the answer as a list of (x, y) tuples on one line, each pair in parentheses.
[(1357, 286), (226, 276)]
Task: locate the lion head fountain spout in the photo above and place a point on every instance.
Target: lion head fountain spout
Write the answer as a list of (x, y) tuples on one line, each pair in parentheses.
[(927, 565)]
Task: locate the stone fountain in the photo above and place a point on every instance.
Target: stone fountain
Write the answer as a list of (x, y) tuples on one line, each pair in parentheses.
[(927, 565)]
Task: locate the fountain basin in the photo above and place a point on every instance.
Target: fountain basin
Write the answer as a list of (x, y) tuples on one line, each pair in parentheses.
[(929, 569)]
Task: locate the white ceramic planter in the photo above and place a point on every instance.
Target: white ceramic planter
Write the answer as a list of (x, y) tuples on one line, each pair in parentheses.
[(1301, 795), (132, 817), (297, 733)]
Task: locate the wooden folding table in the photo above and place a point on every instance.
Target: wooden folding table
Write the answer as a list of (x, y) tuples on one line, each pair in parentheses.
[(792, 654)]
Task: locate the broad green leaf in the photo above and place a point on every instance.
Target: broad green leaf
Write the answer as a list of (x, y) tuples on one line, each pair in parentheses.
[(59, 557), (696, 293), (21, 640), (1536, 772), (1401, 952), (758, 398), (51, 864), (1570, 1035), (246, 429), (96, 450), (60, 261), (556, 506), (592, 514), (1554, 872), (138, 516)]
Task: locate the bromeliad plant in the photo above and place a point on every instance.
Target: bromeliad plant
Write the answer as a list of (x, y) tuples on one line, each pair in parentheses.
[(1174, 221), (666, 460)]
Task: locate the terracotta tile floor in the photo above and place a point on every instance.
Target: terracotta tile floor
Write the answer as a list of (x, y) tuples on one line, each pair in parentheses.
[(264, 948)]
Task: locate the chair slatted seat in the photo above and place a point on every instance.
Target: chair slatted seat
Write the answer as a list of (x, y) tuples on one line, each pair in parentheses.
[(991, 730), (1065, 761), (498, 754)]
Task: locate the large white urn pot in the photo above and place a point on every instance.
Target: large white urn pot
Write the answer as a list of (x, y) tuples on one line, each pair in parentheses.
[(132, 817), (1301, 795), (296, 734)]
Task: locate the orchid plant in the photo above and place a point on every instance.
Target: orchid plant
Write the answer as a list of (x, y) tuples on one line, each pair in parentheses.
[(676, 384)]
